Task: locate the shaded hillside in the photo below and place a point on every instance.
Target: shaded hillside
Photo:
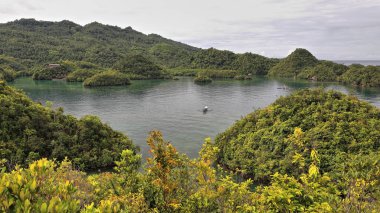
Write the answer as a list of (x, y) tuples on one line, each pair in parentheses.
[(30, 131), (47, 42)]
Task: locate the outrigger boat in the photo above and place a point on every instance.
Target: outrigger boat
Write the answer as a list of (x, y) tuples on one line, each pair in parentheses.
[(205, 109)]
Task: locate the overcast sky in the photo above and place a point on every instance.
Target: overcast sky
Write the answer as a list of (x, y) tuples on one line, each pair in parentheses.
[(330, 29)]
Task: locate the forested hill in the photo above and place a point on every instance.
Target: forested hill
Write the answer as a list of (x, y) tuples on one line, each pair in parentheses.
[(31, 44), (47, 42)]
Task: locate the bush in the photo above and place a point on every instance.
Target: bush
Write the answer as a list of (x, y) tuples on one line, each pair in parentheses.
[(202, 79), (107, 78)]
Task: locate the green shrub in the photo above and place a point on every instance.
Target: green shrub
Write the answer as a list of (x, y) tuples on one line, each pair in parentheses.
[(107, 78), (202, 79)]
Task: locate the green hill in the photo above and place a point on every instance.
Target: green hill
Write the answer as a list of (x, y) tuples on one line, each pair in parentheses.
[(279, 138), (30, 131), (43, 42), (362, 76), (292, 65), (49, 42)]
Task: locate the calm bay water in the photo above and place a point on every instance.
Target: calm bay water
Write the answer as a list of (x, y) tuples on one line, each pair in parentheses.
[(173, 107)]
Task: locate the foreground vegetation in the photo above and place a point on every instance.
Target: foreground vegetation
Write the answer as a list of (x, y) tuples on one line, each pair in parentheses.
[(30, 131), (171, 182), (280, 137), (313, 151)]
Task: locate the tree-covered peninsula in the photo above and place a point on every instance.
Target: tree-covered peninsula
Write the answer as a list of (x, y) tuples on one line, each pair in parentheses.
[(313, 151), (30, 131)]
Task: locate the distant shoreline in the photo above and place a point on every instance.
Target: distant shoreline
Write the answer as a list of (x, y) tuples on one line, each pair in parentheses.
[(363, 62)]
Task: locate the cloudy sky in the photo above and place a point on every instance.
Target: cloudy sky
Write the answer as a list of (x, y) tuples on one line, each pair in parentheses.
[(330, 29)]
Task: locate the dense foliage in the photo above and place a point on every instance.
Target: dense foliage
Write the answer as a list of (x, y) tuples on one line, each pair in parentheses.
[(244, 64), (253, 64), (332, 167), (49, 73), (279, 137), (30, 131), (49, 42), (107, 78), (81, 75), (323, 71), (171, 182), (62, 69), (359, 75), (213, 58), (302, 64), (10, 68), (140, 66)]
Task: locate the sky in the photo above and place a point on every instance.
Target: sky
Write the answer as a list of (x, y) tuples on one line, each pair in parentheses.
[(330, 29)]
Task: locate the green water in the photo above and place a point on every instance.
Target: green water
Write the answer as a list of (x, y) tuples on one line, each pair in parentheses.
[(173, 107)]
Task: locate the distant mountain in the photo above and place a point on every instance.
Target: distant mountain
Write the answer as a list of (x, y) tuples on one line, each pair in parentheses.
[(47, 42), (104, 45)]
